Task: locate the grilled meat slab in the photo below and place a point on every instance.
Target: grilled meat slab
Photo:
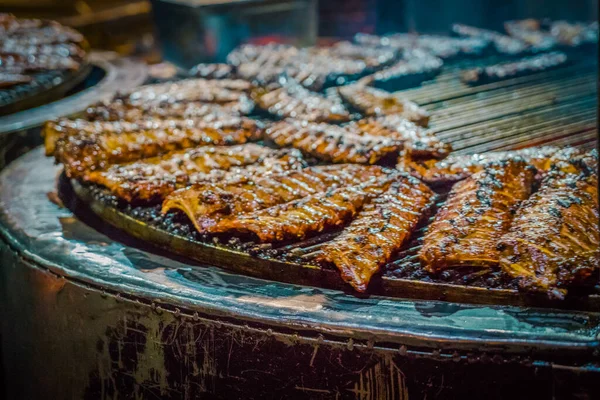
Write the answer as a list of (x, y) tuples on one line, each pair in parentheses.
[(574, 34), (478, 212), (504, 44), (417, 142), (530, 31), (152, 179), (9, 79), (508, 70), (373, 102), (208, 204), (82, 145), (458, 167), (298, 218), (213, 71), (333, 143), (554, 240), (294, 101), (378, 231)]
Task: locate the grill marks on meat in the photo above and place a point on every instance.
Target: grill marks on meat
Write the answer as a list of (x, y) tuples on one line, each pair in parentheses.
[(507, 70), (417, 142), (458, 167), (294, 101), (208, 205), (299, 218), (554, 240), (373, 102), (82, 145), (152, 179), (378, 231), (478, 212), (333, 143)]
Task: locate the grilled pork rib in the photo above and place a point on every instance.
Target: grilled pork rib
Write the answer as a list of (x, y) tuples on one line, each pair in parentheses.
[(373, 102), (508, 70), (82, 145), (416, 141), (378, 231), (554, 240), (504, 44), (152, 179), (478, 212), (207, 205), (315, 213), (294, 101), (458, 167), (333, 143)]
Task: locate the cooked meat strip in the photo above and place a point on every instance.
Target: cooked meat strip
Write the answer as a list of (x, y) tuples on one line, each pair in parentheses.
[(411, 71), (213, 71), (378, 231), (478, 212), (82, 145), (504, 44), (49, 50), (332, 143), (299, 218), (207, 204), (188, 90), (24, 63), (458, 167), (417, 142), (530, 32), (7, 80), (294, 101), (574, 34), (554, 240), (33, 31), (152, 179), (374, 58), (372, 102), (121, 111), (507, 70)]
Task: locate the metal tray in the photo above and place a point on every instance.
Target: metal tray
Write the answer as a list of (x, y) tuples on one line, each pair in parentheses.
[(249, 263)]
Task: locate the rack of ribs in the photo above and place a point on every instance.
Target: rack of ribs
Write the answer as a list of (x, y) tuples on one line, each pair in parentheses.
[(554, 241), (294, 101), (83, 145), (457, 167), (418, 142), (313, 214), (152, 179), (378, 231), (373, 102), (477, 213), (209, 204), (508, 70), (333, 143)]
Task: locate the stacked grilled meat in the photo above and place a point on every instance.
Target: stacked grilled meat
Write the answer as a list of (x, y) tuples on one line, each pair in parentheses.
[(30, 46), (358, 165)]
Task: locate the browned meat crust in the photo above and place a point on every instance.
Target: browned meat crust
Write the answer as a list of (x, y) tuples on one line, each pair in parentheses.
[(458, 167), (152, 179), (378, 231), (83, 146), (299, 218), (417, 142), (294, 101), (333, 143), (208, 204), (373, 102), (554, 240), (478, 212)]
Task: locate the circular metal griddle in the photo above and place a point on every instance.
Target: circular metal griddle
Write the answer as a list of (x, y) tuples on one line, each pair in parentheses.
[(95, 313)]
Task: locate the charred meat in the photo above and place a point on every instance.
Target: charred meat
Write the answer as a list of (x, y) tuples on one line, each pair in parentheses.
[(507, 70), (378, 231), (373, 102), (478, 212), (554, 240), (208, 204), (337, 144)]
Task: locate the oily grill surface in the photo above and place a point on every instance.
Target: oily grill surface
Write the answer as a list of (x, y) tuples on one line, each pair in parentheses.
[(555, 107)]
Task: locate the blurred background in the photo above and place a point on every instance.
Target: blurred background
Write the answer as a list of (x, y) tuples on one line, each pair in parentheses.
[(189, 31)]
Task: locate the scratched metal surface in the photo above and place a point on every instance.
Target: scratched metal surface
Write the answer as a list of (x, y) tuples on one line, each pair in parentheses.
[(51, 237)]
